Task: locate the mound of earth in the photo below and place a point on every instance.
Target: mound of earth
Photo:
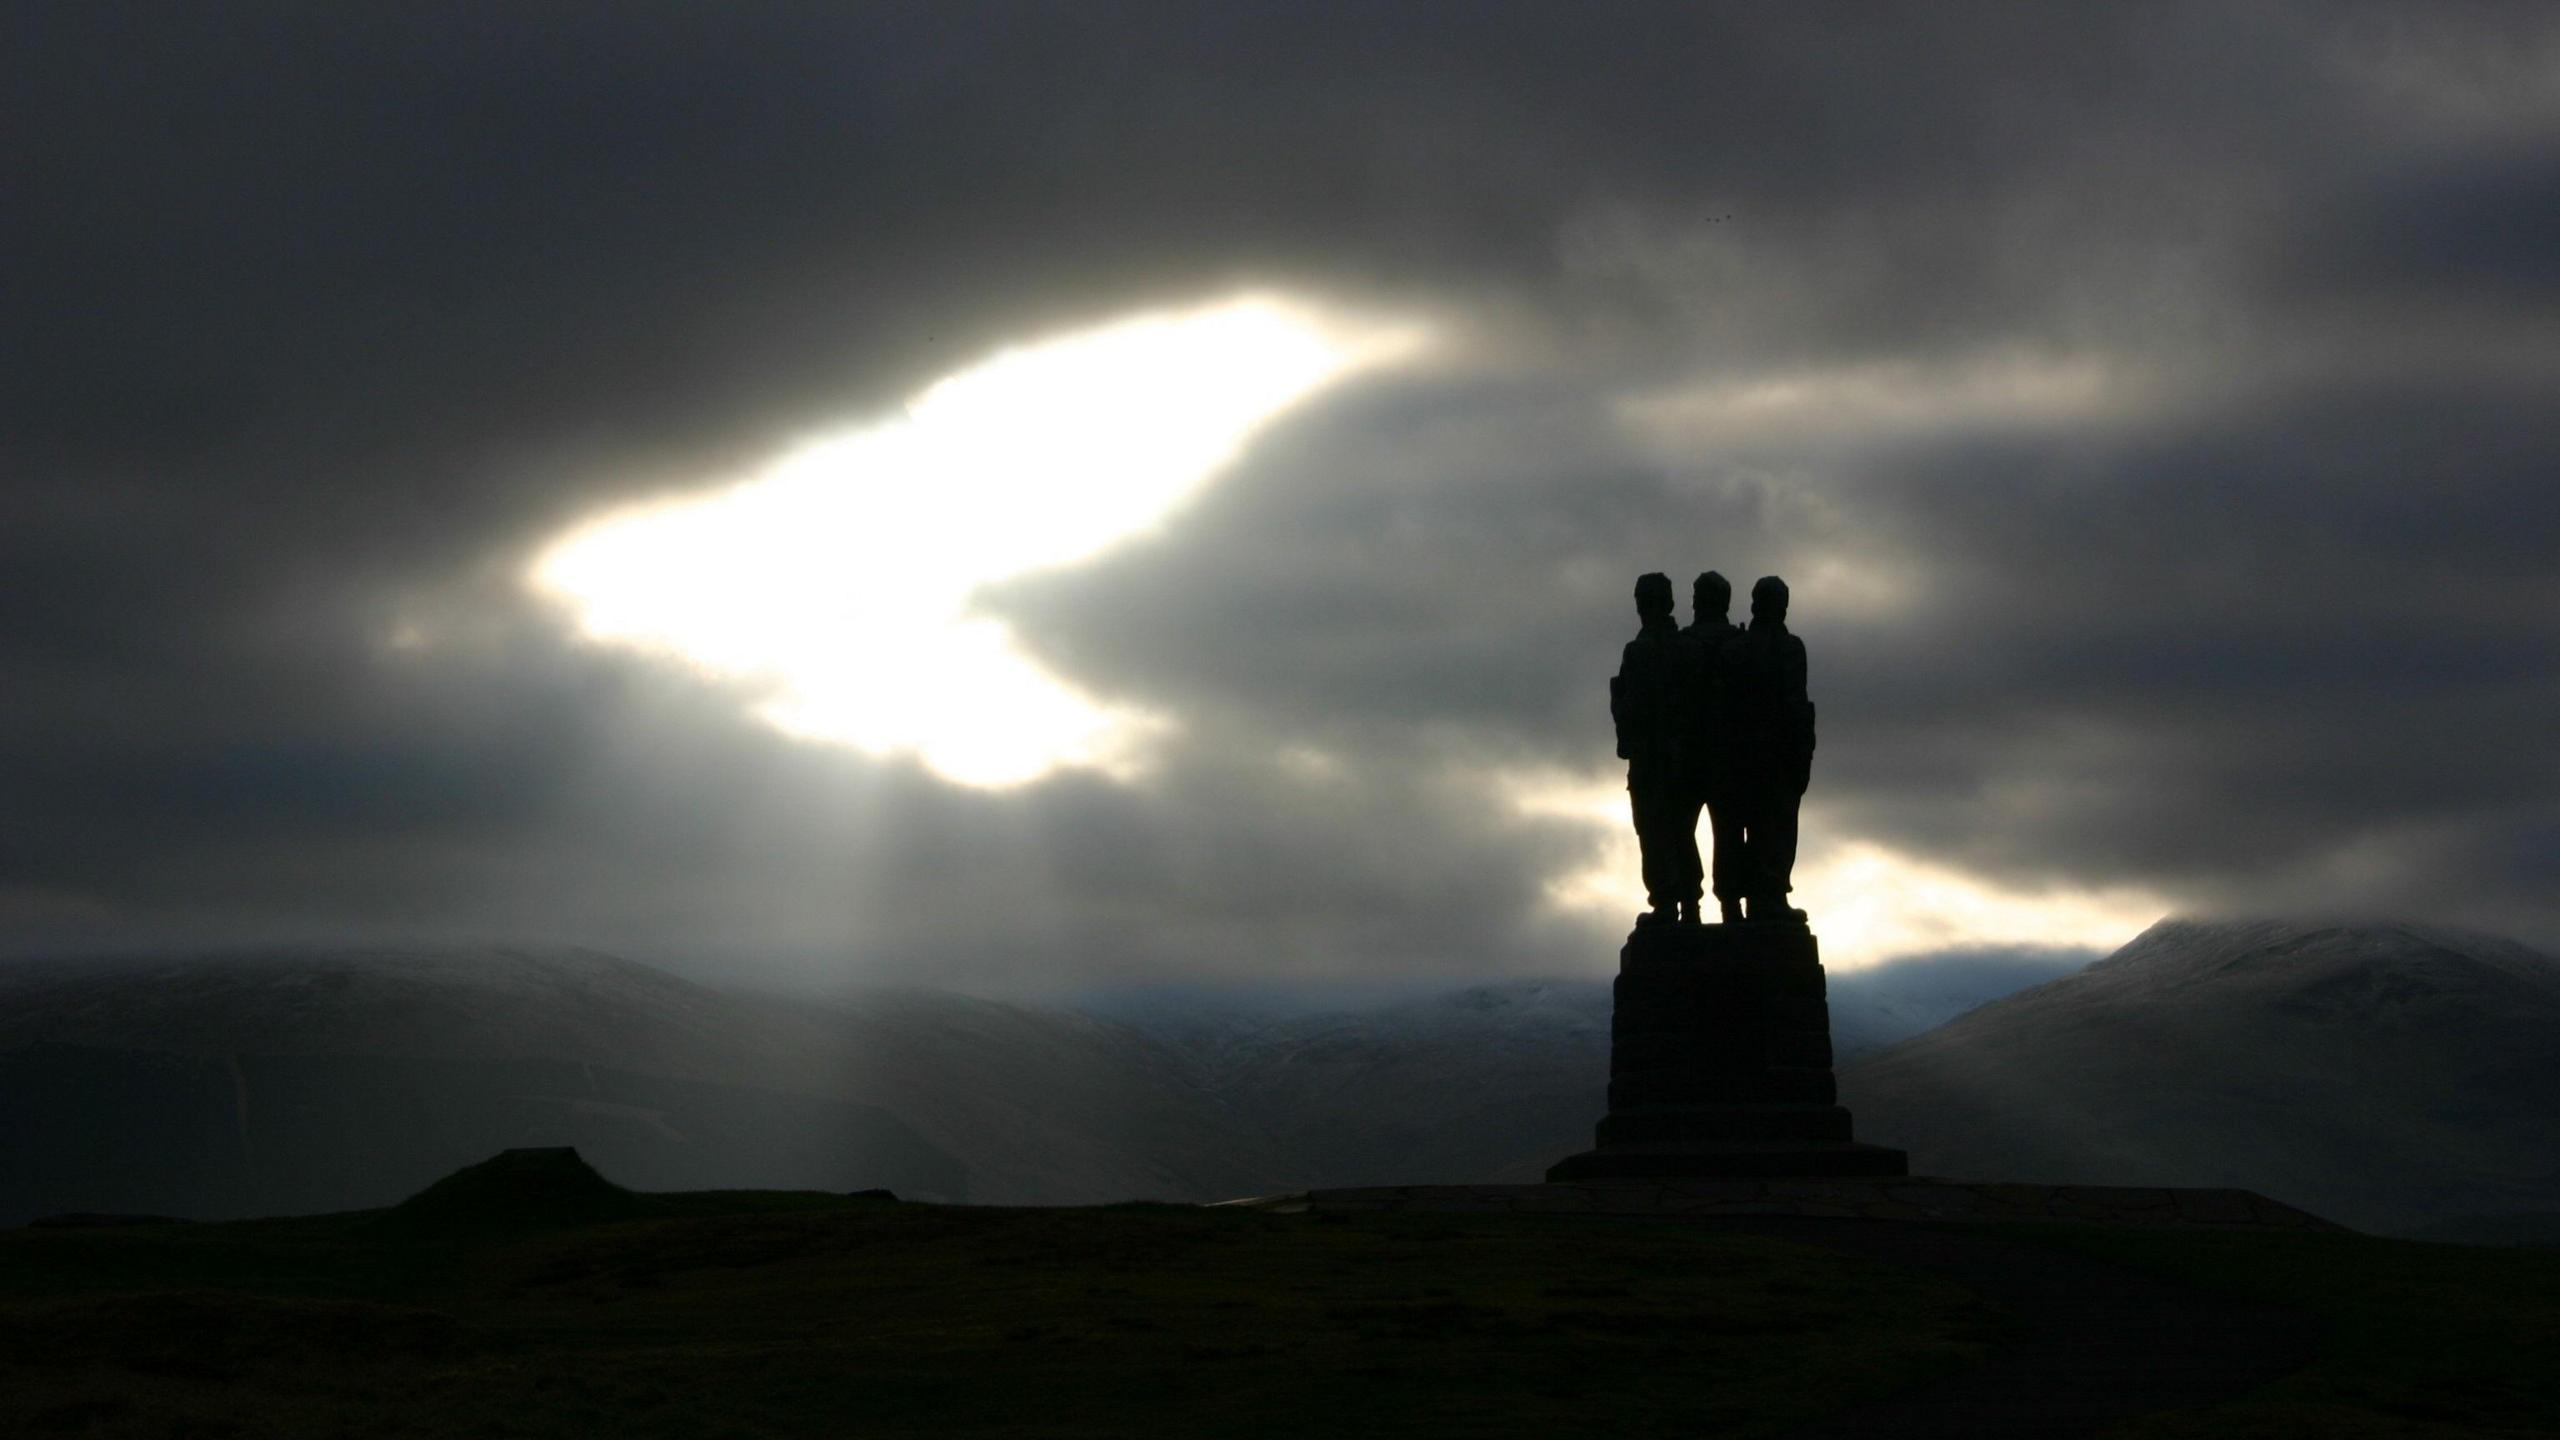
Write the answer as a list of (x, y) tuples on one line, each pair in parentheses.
[(516, 1190)]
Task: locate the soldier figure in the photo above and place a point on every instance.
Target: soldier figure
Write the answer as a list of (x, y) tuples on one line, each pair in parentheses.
[(1653, 698), (1760, 689), (1709, 633)]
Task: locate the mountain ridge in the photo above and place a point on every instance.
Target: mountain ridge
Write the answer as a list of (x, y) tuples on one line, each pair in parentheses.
[(2386, 1074), (2278, 1056)]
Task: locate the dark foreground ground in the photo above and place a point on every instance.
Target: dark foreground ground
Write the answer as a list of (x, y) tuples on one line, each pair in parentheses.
[(757, 1314)]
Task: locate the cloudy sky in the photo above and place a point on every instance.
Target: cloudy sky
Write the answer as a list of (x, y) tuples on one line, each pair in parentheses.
[(1036, 495)]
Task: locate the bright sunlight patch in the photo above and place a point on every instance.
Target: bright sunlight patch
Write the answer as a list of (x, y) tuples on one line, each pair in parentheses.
[(840, 575)]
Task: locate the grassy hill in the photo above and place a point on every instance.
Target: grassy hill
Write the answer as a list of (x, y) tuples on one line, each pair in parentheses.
[(535, 1299)]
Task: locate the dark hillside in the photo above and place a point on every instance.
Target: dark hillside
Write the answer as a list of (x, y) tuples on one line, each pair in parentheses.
[(232, 1085), (2387, 1076), (530, 1296)]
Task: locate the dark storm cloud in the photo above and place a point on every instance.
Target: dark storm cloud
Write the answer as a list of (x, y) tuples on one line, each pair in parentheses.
[(2481, 225), (326, 315), (2271, 635), (2195, 657)]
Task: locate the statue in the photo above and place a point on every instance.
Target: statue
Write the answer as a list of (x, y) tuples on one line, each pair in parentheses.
[(1719, 1035), (1767, 724), (1708, 633), (1654, 700)]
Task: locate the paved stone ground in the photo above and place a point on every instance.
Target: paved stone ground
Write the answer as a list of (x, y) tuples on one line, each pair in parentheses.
[(1899, 1198)]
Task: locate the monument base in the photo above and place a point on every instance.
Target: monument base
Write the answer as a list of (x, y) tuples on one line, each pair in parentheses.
[(1720, 1062), (1709, 1161)]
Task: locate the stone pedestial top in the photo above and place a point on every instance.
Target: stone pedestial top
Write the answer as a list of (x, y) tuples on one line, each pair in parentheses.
[(1720, 1062), (1877, 1198)]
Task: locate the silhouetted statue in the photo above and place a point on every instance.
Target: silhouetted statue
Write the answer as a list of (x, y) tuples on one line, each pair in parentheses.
[(1719, 1037), (1759, 691), (1708, 634), (1654, 699)]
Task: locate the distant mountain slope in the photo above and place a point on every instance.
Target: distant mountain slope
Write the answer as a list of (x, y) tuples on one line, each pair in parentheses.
[(319, 1080), (1885, 1004), (1048, 1107), (315, 1081), (1493, 1081), (1490, 1082), (2389, 1076), (512, 1002)]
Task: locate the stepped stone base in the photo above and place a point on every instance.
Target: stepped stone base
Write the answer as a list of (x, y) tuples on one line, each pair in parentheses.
[(1878, 1198), (1730, 1160), (1720, 1062)]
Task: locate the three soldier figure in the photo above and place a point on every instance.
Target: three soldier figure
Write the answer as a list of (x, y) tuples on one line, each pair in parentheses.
[(1714, 717)]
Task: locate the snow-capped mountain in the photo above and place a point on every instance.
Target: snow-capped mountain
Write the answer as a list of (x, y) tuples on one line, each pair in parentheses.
[(2389, 1076)]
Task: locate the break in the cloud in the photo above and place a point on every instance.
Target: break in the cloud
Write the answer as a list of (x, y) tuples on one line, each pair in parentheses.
[(842, 575), (2153, 408)]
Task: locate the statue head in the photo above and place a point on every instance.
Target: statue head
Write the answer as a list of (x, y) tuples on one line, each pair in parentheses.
[(1653, 596), (1769, 599), (1711, 595)]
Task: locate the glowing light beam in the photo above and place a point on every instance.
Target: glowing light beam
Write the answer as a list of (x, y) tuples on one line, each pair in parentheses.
[(840, 576)]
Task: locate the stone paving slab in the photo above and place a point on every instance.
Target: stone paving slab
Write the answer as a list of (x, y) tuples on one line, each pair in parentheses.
[(1894, 1198)]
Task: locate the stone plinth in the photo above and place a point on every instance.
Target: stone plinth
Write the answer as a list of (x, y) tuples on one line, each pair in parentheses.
[(1835, 1198), (1720, 1062)]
